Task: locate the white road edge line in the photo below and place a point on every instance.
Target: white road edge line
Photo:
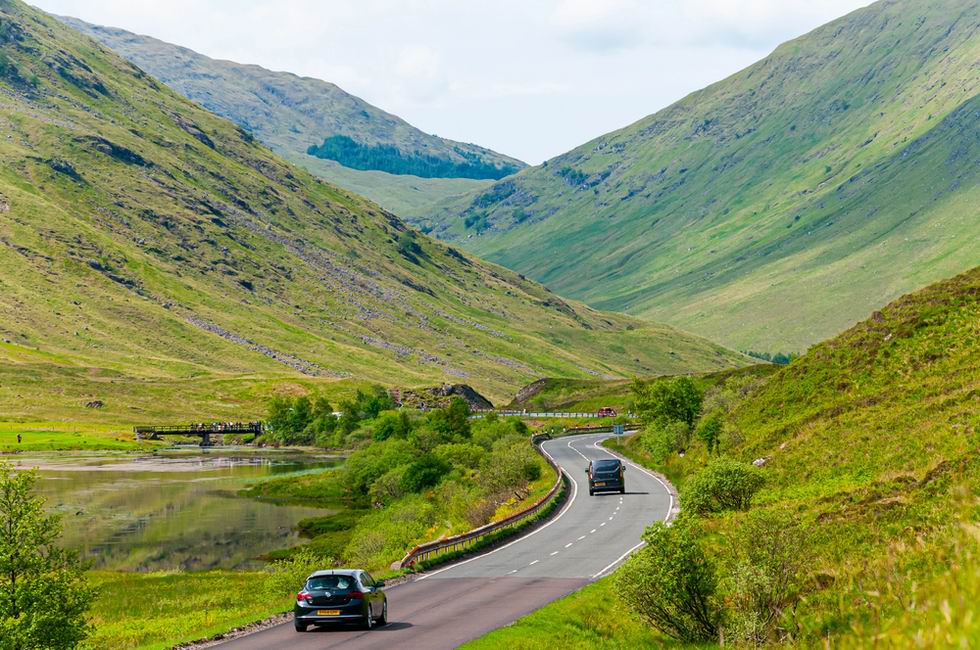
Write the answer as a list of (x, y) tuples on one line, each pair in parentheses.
[(553, 553), (519, 539), (533, 562)]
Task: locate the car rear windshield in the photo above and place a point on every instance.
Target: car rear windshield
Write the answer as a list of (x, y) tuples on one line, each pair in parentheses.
[(333, 583), (606, 465)]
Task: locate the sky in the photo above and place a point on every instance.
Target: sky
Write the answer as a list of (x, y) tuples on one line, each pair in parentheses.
[(528, 78)]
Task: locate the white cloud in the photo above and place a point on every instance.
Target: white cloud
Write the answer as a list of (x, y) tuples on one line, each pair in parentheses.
[(599, 26), (530, 79), (420, 75)]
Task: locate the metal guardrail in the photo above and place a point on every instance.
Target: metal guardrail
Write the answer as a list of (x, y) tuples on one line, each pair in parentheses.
[(470, 538), (538, 414), (602, 428)]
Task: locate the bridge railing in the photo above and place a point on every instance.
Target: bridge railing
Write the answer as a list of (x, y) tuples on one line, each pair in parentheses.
[(472, 538), (199, 428)]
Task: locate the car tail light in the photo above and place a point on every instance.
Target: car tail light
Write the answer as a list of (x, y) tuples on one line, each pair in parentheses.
[(303, 596), (355, 595)]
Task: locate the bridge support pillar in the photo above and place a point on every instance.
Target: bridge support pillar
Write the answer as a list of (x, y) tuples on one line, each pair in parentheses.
[(206, 440)]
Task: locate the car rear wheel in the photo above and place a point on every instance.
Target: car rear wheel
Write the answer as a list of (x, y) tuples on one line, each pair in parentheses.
[(622, 490), (300, 627), (368, 620), (384, 614)]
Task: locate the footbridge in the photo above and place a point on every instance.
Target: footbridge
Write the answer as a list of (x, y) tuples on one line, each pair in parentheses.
[(203, 429)]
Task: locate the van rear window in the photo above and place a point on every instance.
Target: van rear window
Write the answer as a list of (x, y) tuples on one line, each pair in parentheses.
[(606, 465)]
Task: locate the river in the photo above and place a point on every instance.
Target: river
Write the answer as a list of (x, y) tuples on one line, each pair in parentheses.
[(173, 509)]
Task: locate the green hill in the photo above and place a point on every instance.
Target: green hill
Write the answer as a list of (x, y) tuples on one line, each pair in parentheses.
[(156, 260), (871, 443), (776, 207), (412, 170)]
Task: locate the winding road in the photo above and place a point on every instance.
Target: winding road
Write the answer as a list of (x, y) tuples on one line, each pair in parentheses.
[(446, 607)]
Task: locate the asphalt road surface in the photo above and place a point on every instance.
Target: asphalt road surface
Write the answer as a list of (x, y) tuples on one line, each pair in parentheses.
[(447, 607)]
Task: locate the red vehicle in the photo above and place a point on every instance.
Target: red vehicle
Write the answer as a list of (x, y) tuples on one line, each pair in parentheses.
[(606, 412)]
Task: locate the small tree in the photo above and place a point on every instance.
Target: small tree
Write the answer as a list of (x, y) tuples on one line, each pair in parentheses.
[(43, 593), (668, 399), (723, 484), (709, 430), (672, 583), (771, 550), (453, 422)]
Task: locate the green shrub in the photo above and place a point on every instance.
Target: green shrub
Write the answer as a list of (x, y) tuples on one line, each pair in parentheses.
[(392, 424), (367, 465), (723, 484), (498, 431), (765, 575), (672, 583), (389, 486), (663, 438), (463, 455), (288, 575), (709, 431), (424, 473), (383, 536), (506, 472)]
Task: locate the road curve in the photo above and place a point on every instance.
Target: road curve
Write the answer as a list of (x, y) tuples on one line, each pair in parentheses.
[(446, 607)]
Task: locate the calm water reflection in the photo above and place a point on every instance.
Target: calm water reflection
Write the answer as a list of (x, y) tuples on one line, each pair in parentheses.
[(171, 510)]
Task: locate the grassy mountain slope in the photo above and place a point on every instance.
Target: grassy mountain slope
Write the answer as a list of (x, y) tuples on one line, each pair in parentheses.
[(156, 253), (872, 442), (773, 208), (289, 113)]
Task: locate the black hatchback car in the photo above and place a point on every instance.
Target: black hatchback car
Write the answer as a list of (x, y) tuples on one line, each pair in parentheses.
[(340, 596), (606, 476)]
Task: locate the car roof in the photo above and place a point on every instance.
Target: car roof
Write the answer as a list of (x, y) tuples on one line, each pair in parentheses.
[(335, 572), (607, 461)]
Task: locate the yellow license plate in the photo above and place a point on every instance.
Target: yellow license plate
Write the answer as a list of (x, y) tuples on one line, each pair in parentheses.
[(600, 483), (328, 612)]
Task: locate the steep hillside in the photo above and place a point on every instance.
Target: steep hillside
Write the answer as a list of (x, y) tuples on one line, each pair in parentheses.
[(153, 250), (291, 114), (874, 437), (776, 207), (871, 443)]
